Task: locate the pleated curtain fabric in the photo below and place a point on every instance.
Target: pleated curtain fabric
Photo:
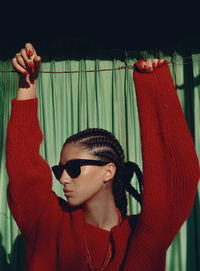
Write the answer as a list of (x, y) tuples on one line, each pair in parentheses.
[(72, 102)]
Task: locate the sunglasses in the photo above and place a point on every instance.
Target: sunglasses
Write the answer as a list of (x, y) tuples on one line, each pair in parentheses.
[(73, 167)]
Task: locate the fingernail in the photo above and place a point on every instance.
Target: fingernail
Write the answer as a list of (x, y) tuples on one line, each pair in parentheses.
[(25, 72), (31, 65), (33, 71), (30, 53), (145, 67), (154, 64), (150, 69)]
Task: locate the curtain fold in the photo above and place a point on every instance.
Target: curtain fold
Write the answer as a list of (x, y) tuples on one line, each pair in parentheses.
[(69, 103)]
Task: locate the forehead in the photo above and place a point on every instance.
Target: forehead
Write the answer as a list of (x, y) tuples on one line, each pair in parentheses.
[(73, 151)]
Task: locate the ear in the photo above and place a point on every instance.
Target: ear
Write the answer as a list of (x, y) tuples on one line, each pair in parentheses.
[(110, 170)]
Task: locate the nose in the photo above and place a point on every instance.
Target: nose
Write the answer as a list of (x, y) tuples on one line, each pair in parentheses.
[(65, 178)]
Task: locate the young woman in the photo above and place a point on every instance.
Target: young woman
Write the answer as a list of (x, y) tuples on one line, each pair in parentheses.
[(91, 231)]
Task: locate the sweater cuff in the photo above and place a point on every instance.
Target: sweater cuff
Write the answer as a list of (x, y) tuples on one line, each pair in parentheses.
[(24, 111)]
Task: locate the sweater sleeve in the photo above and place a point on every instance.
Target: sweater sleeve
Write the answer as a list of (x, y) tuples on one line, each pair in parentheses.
[(30, 179), (170, 167)]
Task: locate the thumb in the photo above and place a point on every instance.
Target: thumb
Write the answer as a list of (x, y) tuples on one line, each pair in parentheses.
[(34, 74), (37, 63)]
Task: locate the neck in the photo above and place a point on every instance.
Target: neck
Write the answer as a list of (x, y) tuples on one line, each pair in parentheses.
[(101, 213)]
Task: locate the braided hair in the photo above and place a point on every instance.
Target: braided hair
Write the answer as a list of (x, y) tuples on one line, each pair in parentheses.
[(106, 147)]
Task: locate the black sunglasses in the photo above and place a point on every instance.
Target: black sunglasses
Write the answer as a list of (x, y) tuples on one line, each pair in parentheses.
[(73, 167)]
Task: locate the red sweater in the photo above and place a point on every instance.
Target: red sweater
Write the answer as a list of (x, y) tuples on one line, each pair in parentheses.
[(53, 232)]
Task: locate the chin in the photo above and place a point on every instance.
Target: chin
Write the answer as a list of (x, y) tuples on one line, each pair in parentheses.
[(73, 203)]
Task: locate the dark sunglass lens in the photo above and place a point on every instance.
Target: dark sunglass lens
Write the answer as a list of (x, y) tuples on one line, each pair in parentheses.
[(73, 169), (57, 170)]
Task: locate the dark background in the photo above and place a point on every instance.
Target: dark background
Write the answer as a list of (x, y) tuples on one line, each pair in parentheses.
[(101, 32)]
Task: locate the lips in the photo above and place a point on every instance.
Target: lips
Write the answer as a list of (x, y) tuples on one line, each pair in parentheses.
[(67, 192)]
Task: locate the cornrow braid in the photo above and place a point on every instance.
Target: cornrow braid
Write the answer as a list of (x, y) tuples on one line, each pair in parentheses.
[(104, 145)]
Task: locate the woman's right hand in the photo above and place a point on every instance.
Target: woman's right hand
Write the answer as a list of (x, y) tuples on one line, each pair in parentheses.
[(27, 61), (27, 64)]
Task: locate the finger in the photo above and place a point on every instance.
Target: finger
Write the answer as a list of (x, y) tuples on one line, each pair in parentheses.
[(144, 65), (149, 64), (19, 67), (28, 62), (37, 63), (30, 50), (160, 61), (155, 62), (20, 61)]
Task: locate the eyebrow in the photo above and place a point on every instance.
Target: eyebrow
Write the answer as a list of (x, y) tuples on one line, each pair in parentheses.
[(68, 161)]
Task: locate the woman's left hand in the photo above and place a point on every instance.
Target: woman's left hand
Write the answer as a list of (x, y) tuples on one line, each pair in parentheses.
[(151, 64)]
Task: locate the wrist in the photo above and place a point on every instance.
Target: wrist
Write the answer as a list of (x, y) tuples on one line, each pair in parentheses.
[(27, 88), (26, 94)]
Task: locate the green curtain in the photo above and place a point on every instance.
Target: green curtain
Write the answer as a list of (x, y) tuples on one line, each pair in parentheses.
[(69, 103)]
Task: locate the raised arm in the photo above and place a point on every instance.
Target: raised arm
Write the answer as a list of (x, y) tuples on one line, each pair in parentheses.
[(170, 166), (30, 178)]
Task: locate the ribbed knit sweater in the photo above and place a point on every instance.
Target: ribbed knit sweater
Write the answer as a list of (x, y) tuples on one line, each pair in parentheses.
[(54, 232)]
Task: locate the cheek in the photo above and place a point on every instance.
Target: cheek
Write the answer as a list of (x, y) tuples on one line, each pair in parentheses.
[(86, 186), (90, 183), (92, 177)]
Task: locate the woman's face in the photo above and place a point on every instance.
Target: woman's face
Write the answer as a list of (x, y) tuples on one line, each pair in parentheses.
[(92, 180)]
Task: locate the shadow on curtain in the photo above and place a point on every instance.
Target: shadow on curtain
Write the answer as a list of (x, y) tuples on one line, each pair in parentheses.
[(16, 258)]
